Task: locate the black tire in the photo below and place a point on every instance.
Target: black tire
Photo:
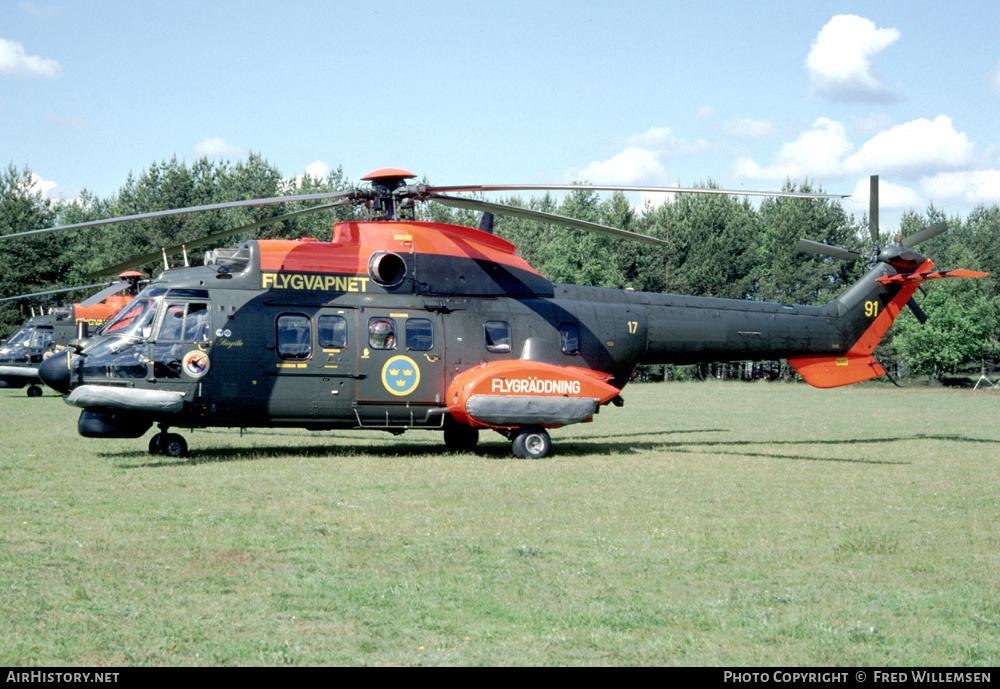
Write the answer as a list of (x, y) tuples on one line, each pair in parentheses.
[(460, 438), (174, 445), (531, 443), (34, 391)]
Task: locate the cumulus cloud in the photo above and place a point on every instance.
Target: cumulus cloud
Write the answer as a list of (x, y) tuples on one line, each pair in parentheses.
[(890, 196), (41, 185), (971, 187), (915, 148), (15, 62), (217, 148), (840, 62), (819, 151), (631, 166), (317, 170)]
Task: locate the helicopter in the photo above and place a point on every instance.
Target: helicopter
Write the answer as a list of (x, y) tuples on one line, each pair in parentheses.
[(43, 334), (397, 324)]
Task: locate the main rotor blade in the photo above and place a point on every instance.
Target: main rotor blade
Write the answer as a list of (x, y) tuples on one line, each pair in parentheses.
[(925, 234), (873, 209), (810, 246), (351, 195), (194, 244), (54, 291), (105, 293), (421, 190), (538, 216)]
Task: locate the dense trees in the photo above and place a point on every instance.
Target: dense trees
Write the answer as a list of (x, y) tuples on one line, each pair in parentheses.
[(722, 246)]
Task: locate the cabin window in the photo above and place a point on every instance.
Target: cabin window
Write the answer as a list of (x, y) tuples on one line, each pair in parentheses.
[(569, 337), (497, 336), (382, 333), (332, 331), (419, 335), (294, 337)]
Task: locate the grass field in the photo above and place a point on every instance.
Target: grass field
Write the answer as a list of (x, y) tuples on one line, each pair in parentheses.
[(702, 524)]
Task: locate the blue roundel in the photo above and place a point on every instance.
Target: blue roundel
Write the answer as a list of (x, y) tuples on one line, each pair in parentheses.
[(400, 375)]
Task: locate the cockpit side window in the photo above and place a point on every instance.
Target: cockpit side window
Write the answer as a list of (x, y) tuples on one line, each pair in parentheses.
[(497, 335), (569, 336), (186, 322)]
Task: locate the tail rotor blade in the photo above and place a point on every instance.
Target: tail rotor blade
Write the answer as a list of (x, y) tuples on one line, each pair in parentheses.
[(925, 234), (917, 311), (809, 246)]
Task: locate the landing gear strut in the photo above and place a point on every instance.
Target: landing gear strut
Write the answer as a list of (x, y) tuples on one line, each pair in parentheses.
[(168, 444), (531, 443)]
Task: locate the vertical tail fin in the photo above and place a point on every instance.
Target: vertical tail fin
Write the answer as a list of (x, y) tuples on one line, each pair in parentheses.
[(867, 309)]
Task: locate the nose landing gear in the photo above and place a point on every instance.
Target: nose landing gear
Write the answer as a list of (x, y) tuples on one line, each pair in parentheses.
[(168, 444)]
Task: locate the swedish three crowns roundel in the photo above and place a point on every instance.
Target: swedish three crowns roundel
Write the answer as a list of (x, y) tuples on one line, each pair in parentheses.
[(400, 375)]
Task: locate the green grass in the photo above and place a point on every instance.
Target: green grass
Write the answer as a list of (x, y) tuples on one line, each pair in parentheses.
[(702, 524)]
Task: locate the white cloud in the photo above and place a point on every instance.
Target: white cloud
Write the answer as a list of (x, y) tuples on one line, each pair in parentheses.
[(840, 61), (217, 148), (995, 78), (318, 170), (15, 62), (631, 166), (820, 151), (705, 112), (41, 185), (915, 147), (890, 195), (972, 187)]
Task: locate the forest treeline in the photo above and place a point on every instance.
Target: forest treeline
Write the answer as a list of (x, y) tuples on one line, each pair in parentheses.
[(716, 245)]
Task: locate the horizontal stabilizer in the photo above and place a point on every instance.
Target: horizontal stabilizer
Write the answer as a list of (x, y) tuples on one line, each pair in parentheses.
[(929, 276), (833, 371)]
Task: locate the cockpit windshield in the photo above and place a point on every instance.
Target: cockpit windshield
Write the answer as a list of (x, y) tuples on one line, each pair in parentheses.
[(21, 337), (136, 319)]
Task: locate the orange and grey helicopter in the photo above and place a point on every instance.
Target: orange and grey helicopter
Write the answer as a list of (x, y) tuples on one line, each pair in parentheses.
[(397, 324), (48, 332)]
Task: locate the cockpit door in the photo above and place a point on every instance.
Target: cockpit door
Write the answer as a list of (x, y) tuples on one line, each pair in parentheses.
[(181, 347)]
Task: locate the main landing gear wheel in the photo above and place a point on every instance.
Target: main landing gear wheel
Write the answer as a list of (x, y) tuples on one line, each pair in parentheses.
[(460, 438), (168, 445), (531, 443), (34, 391)]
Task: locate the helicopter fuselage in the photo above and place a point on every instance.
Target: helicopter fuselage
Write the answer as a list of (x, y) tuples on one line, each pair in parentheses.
[(399, 325)]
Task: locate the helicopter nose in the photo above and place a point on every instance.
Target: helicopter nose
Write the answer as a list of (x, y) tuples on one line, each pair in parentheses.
[(54, 371)]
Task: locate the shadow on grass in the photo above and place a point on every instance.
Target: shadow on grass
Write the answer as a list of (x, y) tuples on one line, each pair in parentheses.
[(496, 448)]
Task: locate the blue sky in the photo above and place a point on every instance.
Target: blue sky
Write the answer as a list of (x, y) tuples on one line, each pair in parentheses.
[(641, 93)]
